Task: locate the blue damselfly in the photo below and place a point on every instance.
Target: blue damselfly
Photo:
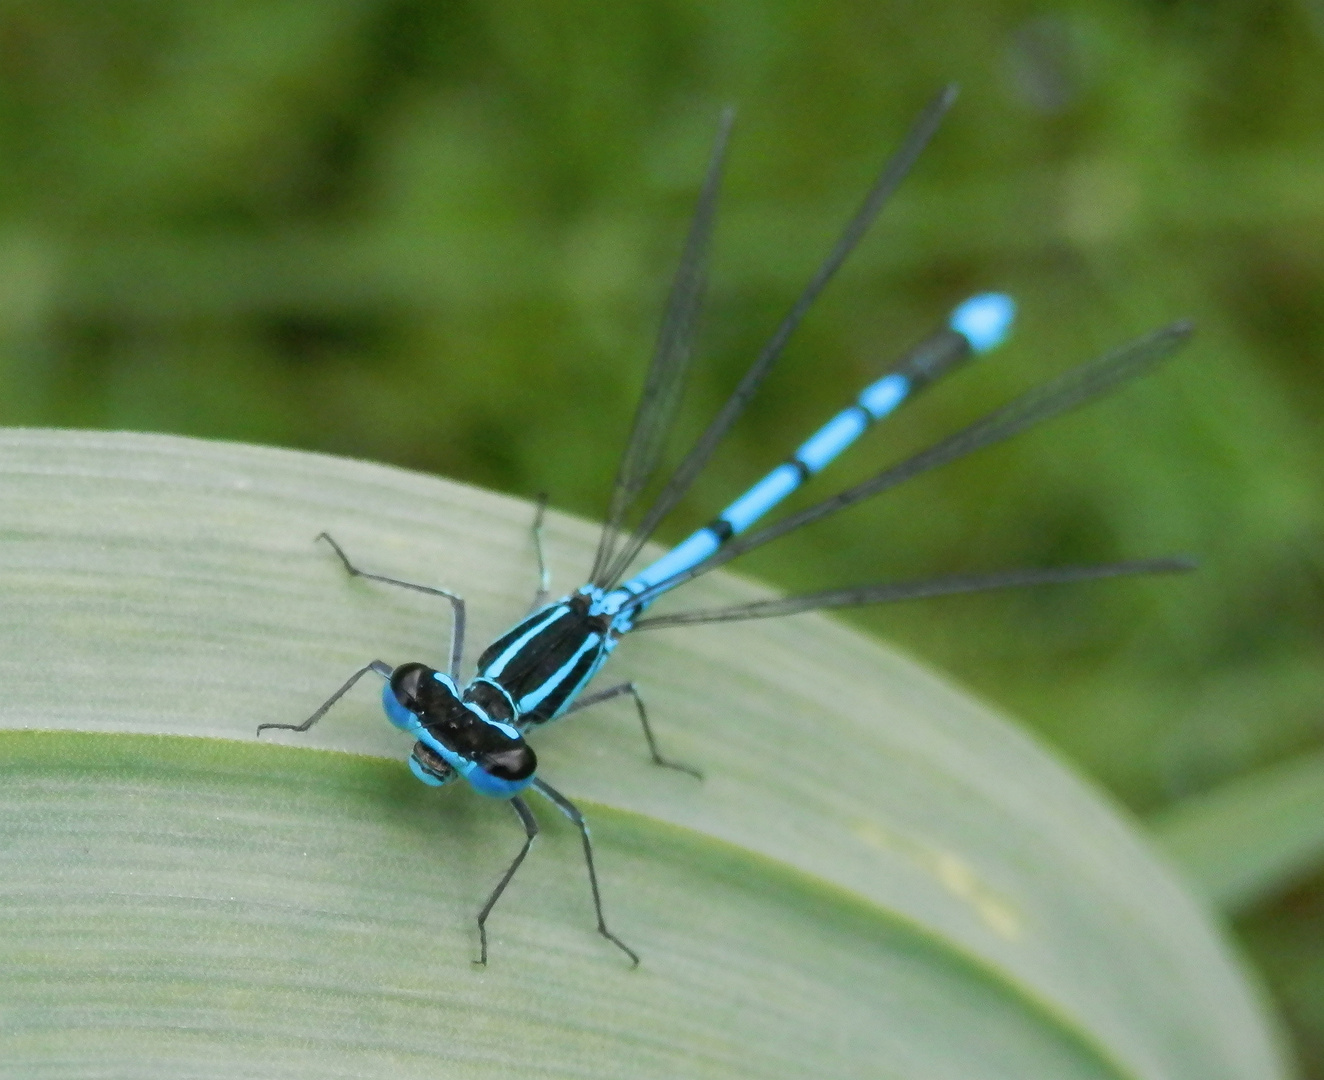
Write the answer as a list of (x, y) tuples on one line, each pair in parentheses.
[(538, 671)]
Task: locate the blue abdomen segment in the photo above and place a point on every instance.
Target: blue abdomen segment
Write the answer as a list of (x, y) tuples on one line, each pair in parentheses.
[(984, 320), (975, 326), (689, 552), (767, 493)]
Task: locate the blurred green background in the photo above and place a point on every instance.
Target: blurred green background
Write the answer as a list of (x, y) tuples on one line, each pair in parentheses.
[(439, 234)]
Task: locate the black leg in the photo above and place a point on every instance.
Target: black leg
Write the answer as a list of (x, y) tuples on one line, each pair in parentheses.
[(530, 831), (457, 602), (629, 688), (569, 810), (544, 575), (380, 666)]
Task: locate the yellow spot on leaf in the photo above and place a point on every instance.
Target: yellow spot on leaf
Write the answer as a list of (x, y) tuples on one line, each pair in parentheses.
[(952, 872)]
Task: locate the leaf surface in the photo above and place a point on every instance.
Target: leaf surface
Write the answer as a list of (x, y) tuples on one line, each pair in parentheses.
[(1253, 836), (877, 877)]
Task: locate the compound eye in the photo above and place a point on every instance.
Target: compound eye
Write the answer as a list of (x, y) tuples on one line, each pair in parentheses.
[(406, 684), (516, 762)]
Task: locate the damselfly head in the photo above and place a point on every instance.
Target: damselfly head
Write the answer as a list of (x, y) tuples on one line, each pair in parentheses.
[(502, 771), (457, 731)]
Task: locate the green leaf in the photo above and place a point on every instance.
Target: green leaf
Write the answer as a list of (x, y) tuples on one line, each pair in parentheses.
[(1252, 837), (877, 877)]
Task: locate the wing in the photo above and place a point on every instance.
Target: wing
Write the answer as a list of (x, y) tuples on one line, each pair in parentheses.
[(888, 181), (665, 383), (895, 591), (1068, 391)]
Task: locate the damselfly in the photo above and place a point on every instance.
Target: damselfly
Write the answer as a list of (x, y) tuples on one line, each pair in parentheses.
[(538, 671)]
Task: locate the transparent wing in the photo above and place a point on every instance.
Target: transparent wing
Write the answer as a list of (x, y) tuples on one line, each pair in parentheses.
[(665, 383), (896, 591), (893, 173), (1068, 391)]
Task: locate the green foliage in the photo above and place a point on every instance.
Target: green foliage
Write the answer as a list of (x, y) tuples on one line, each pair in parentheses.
[(921, 892), (437, 235), (1254, 837)]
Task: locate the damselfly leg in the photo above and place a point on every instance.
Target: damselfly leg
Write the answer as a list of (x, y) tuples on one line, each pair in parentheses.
[(599, 696), (544, 574), (572, 812), (456, 601), (381, 667), (530, 824)]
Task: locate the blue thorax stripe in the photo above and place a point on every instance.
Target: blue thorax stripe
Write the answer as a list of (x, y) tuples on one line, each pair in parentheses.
[(531, 701), (494, 669)]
